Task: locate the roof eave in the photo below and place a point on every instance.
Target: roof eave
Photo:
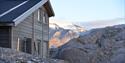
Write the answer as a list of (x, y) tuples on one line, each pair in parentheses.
[(7, 24), (27, 13), (49, 9)]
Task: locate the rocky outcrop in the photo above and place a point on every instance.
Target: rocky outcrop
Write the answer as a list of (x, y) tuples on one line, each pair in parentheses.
[(12, 56), (104, 45)]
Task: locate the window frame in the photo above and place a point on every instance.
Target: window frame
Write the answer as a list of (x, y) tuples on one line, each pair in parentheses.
[(38, 15), (44, 17)]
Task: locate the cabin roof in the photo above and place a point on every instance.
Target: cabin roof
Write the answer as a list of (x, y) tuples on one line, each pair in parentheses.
[(14, 11)]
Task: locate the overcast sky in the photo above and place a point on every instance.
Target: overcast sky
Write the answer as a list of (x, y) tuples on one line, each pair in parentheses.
[(87, 10)]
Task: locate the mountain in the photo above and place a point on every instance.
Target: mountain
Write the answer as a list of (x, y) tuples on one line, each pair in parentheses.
[(101, 45), (60, 35)]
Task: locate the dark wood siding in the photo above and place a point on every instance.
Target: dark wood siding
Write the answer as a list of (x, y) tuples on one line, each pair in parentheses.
[(5, 38), (26, 45)]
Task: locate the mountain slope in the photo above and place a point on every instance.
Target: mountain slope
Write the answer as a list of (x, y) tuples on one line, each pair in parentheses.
[(103, 45), (61, 35)]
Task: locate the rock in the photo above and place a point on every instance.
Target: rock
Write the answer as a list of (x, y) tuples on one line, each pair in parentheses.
[(91, 37), (12, 56), (53, 52), (119, 44), (120, 51), (74, 55), (90, 46), (118, 58)]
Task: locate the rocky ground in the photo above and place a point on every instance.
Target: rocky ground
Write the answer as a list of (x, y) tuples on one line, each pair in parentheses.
[(103, 45), (12, 56)]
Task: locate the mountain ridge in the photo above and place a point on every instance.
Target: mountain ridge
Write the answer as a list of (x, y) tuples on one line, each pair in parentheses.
[(60, 35)]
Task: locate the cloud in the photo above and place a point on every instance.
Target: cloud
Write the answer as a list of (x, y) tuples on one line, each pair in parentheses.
[(90, 24), (104, 23)]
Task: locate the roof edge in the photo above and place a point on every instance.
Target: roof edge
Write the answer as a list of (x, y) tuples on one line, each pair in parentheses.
[(28, 12), (6, 24), (49, 8)]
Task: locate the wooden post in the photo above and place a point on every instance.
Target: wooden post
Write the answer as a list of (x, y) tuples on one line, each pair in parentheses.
[(33, 31), (18, 44)]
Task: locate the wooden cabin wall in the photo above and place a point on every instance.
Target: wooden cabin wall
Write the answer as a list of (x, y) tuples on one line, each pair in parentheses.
[(45, 35), (38, 32), (34, 29), (5, 36), (22, 31)]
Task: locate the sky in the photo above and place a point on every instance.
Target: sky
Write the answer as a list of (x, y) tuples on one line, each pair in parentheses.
[(87, 10), (88, 13)]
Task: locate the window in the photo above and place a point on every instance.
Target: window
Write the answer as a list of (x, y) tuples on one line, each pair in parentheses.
[(38, 15), (39, 46), (26, 45), (44, 17)]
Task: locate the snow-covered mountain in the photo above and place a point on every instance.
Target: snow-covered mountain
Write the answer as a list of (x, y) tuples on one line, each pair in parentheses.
[(63, 31), (59, 35)]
